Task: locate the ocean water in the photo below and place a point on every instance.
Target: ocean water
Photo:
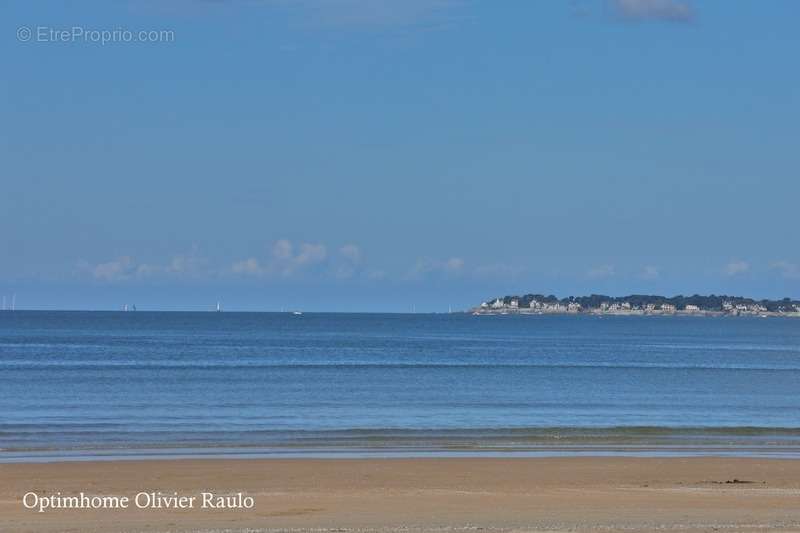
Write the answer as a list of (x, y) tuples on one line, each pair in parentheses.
[(84, 382)]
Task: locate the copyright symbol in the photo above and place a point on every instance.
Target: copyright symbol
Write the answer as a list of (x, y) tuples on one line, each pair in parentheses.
[(24, 34)]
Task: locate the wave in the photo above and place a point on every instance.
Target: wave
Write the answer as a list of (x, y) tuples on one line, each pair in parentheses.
[(499, 439), (155, 365), (508, 430)]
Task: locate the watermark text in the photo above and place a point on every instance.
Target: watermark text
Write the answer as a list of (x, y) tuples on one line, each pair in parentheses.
[(102, 36)]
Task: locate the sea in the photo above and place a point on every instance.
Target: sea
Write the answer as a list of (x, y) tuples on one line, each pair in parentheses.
[(88, 385)]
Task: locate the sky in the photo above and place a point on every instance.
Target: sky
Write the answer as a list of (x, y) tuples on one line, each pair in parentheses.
[(387, 155)]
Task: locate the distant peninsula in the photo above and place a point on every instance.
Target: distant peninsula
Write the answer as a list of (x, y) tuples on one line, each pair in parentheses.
[(638, 304)]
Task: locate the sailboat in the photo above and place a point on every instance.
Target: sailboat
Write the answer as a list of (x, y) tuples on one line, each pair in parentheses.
[(13, 303), (219, 308)]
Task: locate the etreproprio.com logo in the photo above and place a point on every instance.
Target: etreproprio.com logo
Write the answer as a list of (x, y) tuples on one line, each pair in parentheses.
[(80, 34)]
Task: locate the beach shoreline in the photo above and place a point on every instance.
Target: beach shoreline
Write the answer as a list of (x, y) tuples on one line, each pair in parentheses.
[(415, 494), (791, 452), (515, 442)]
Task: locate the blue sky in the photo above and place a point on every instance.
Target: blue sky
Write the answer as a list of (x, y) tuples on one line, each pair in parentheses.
[(379, 155)]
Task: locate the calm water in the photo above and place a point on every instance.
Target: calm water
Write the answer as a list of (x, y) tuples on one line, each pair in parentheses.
[(71, 381)]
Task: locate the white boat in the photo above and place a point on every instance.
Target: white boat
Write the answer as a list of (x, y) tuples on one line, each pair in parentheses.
[(296, 313)]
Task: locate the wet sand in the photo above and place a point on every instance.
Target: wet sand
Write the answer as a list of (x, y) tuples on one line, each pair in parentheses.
[(430, 494)]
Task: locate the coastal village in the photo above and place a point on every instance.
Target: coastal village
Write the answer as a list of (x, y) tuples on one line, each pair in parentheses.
[(639, 305)]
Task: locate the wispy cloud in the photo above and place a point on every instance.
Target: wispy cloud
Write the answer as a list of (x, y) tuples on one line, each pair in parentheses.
[(282, 259), (126, 268), (650, 273), (601, 272), (425, 267), (375, 275), (500, 271), (188, 265), (348, 261), (249, 267), (310, 254), (787, 270), (737, 267), (351, 252), (120, 269), (659, 10)]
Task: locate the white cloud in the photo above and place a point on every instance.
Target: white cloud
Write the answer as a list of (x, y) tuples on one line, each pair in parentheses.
[(285, 259), (126, 268), (348, 261), (119, 269), (351, 252), (665, 10), (250, 267), (650, 272), (310, 254), (788, 270), (187, 265), (736, 267), (287, 263), (282, 249), (601, 271), (454, 264)]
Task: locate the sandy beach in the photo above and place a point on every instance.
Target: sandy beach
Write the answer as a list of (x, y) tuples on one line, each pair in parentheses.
[(430, 494)]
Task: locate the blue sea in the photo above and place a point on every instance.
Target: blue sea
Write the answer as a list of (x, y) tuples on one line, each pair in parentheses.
[(94, 384)]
